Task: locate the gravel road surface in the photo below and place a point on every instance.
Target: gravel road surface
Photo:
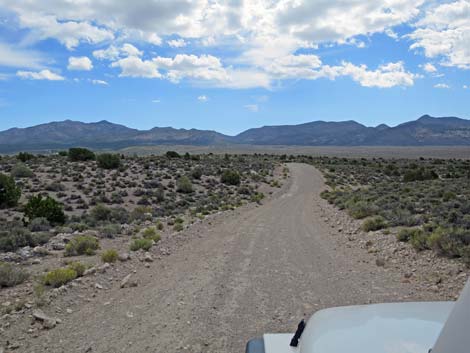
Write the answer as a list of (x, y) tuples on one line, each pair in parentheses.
[(260, 269)]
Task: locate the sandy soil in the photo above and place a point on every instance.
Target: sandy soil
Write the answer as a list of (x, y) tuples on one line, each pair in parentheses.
[(253, 270)]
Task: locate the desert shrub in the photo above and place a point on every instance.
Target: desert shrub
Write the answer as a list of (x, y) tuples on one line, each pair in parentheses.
[(151, 233), (55, 186), (59, 277), (172, 154), (47, 208), (11, 275), (406, 234), (196, 173), (257, 197), (138, 244), (109, 256), (374, 223), (360, 209), (100, 213), (82, 245), (9, 192), (39, 224), (141, 213), (24, 156), (419, 240), (21, 171), (452, 241), (419, 174), (78, 267), (40, 238), (159, 225), (110, 230), (184, 185), (178, 227), (119, 215), (230, 177), (14, 238), (63, 153), (78, 154), (109, 161), (160, 194)]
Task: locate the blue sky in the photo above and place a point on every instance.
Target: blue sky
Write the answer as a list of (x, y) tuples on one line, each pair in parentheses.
[(232, 65)]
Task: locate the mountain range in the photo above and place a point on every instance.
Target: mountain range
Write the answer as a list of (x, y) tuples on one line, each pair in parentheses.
[(425, 131)]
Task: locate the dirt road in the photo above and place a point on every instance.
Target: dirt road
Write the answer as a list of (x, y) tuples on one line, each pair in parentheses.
[(260, 270)]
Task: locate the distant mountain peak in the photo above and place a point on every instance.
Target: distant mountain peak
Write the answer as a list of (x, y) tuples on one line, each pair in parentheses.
[(424, 131)]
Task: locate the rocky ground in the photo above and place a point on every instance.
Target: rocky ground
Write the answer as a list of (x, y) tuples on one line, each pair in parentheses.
[(225, 279)]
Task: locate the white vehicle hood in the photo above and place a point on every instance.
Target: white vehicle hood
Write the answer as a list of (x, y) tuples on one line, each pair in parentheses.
[(376, 328)]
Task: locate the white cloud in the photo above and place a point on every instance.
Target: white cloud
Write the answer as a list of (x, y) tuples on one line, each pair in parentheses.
[(41, 75), (256, 23), (177, 43), (204, 67), (202, 98), (465, 87), (80, 63), (110, 53), (252, 107), (264, 36), (130, 50), (99, 82), (69, 33), (113, 53), (133, 66), (441, 85), (385, 76), (155, 100), (428, 67), (13, 56), (444, 32)]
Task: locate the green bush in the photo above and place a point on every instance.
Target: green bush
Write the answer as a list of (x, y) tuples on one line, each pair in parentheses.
[(40, 224), (11, 275), (374, 223), (257, 197), (24, 156), (14, 238), (100, 213), (184, 185), (230, 177), (419, 240), (178, 227), (360, 209), (9, 192), (144, 244), (406, 234), (451, 241), (59, 277), (151, 233), (196, 173), (140, 212), (419, 174), (78, 267), (47, 208), (109, 256), (21, 171), (82, 245), (109, 161), (80, 154), (172, 154)]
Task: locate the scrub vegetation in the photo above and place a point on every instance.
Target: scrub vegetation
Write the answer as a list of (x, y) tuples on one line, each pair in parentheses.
[(427, 199)]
